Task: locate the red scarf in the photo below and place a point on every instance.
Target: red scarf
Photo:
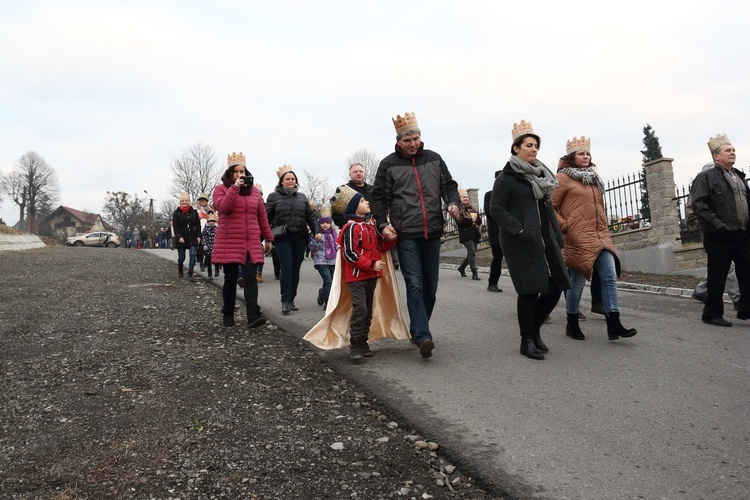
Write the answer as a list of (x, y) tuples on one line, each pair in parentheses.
[(184, 210)]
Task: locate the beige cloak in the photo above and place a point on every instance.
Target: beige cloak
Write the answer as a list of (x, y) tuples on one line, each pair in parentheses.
[(332, 332)]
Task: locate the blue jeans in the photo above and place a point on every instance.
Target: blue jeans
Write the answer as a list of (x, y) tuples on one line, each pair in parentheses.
[(181, 256), (326, 272), (604, 265), (419, 260), (291, 252)]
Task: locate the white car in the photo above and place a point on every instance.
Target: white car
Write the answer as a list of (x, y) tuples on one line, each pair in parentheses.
[(96, 239)]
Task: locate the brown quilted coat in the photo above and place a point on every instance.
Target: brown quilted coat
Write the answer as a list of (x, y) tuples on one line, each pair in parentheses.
[(580, 213)]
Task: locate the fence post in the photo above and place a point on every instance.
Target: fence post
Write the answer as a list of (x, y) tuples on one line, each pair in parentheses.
[(665, 216), (474, 198)]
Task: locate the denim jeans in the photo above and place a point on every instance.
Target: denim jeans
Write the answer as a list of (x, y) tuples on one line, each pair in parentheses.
[(604, 265), (419, 260), (326, 272), (181, 256), (471, 256), (291, 252)]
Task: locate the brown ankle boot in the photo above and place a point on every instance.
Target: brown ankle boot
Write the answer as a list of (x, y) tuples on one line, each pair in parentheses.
[(259, 277)]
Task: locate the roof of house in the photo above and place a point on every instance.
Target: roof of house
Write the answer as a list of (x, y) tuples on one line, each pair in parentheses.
[(82, 216)]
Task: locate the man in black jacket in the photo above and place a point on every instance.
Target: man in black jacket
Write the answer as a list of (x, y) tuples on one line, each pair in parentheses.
[(493, 235), (721, 201), (410, 187), (356, 182)]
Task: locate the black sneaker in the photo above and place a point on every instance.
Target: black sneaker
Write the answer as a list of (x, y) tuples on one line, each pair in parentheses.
[(366, 352), (355, 352), (494, 288)]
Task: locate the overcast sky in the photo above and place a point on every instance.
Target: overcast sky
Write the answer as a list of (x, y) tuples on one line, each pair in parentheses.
[(109, 92)]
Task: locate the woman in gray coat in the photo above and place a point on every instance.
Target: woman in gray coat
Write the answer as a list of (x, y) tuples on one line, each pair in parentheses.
[(530, 236)]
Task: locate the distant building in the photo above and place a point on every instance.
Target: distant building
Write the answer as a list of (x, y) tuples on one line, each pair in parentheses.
[(65, 221)]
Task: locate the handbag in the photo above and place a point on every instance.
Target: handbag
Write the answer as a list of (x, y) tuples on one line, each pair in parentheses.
[(279, 232)]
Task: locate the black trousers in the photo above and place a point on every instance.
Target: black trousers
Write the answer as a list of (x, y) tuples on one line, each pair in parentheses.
[(229, 290), (362, 293), (496, 266), (534, 308), (723, 249)]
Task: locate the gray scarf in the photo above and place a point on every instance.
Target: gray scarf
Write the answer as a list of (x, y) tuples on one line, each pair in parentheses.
[(542, 180), (587, 176)]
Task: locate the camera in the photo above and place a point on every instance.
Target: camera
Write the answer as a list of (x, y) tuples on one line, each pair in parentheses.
[(248, 180)]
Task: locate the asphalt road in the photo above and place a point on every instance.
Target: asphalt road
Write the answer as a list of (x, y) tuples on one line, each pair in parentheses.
[(665, 414)]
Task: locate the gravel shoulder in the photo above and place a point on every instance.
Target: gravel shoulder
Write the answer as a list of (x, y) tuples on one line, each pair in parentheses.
[(118, 380)]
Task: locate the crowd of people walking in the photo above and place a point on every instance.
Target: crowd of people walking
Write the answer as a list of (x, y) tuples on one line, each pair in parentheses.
[(550, 227)]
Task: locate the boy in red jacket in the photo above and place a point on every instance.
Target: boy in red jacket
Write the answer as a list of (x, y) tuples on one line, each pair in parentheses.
[(361, 245)]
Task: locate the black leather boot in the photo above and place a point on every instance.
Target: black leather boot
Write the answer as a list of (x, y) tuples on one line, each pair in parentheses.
[(254, 317), (475, 275), (180, 271), (529, 350), (615, 329), (572, 330), (538, 342), (228, 316), (461, 271)]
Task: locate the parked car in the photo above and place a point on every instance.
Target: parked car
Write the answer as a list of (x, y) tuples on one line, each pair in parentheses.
[(96, 239)]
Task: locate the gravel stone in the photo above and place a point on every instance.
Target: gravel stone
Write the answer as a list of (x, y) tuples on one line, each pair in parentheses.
[(118, 380)]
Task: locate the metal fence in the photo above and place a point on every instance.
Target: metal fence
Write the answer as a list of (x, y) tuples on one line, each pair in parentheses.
[(624, 202)]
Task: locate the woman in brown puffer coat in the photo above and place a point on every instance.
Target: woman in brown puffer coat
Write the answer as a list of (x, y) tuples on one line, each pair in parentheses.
[(579, 204)]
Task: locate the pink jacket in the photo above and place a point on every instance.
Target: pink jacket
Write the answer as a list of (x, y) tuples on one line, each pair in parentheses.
[(243, 223)]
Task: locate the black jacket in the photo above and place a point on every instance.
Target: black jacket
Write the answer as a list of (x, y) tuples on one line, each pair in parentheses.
[(411, 191), (713, 200), (493, 230), (534, 255), (186, 226), (365, 191), (291, 210)]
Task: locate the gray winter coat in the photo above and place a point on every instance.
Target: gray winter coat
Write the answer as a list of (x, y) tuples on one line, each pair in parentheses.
[(534, 255)]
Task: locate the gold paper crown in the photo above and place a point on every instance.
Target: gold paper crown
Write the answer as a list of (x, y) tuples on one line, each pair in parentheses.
[(581, 144), (715, 143), (282, 170), (408, 122), (341, 199), (235, 159), (325, 211), (211, 217), (522, 128), (462, 192), (202, 196)]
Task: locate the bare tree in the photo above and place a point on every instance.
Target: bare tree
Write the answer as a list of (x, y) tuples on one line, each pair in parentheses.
[(123, 210), (34, 188), (369, 161), (195, 172), (166, 210), (316, 188)]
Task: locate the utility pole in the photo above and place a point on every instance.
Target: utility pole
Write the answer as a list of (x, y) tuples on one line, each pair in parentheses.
[(150, 208)]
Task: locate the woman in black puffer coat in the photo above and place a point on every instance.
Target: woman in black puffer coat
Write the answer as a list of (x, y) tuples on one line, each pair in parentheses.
[(287, 207)]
